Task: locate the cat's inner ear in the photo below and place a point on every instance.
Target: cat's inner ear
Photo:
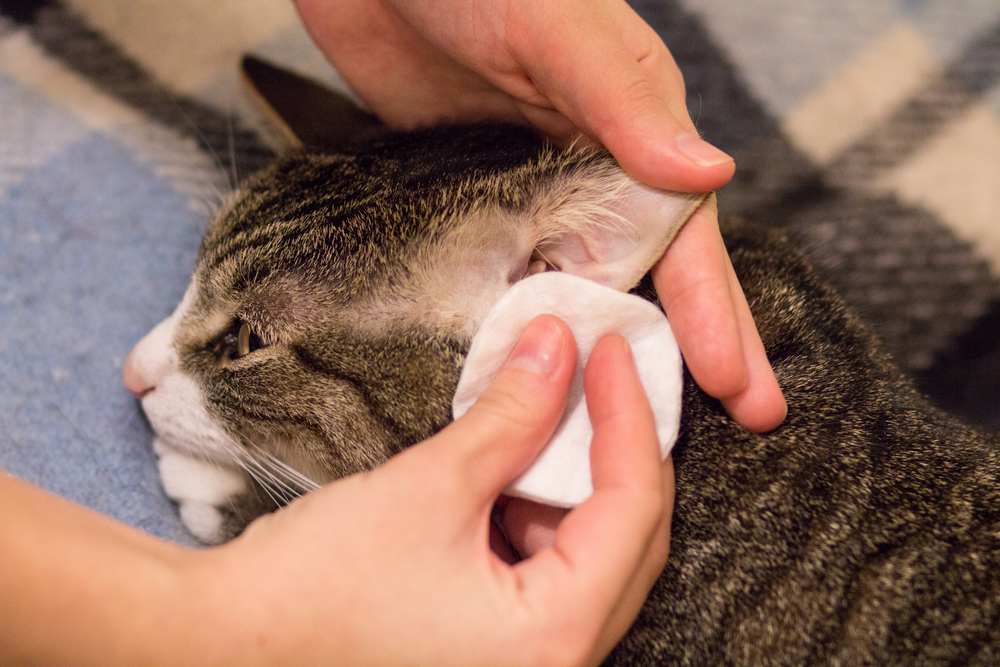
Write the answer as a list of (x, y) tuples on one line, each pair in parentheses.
[(613, 241), (303, 112)]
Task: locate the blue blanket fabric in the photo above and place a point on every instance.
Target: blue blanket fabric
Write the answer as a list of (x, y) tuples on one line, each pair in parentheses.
[(115, 133), (94, 249)]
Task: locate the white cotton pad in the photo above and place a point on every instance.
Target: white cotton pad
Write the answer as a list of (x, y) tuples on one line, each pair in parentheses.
[(560, 476)]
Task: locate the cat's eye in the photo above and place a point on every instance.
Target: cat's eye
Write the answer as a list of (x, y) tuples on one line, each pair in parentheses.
[(242, 342)]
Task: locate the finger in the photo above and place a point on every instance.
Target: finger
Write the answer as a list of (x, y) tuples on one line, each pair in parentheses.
[(692, 282), (761, 407), (406, 80), (551, 123), (649, 571), (601, 544), (504, 430), (530, 526), (598, 82)]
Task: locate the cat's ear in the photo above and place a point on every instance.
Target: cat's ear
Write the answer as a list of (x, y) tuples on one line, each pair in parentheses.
[(304, 112), (616, 243)]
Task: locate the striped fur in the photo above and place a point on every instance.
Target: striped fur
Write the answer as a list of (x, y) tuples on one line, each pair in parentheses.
[(865, 530)]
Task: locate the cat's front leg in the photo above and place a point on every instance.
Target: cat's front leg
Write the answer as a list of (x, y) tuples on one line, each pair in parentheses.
[(216, 501)]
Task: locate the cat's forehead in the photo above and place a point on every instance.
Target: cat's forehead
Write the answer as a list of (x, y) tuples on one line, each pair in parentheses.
[(425, 228), (346, 220)]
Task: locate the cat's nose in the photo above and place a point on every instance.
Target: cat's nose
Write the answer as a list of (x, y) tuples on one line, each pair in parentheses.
[(132, 376), (150, 360)]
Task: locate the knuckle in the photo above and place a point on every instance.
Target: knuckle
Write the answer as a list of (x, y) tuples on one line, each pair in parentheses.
[(640, 93), (527, 33), (655, 58), (624, 417), (510, 405), (685, 291), (635, 99)]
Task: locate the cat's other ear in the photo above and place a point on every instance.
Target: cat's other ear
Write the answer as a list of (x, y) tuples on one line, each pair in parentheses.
[(303, 112)]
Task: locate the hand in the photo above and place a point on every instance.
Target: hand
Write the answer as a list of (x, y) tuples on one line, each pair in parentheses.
[(390, 567), (395, 566), (566, 66)]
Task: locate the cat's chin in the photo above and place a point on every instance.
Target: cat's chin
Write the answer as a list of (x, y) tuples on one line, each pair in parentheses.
[(203, 490)]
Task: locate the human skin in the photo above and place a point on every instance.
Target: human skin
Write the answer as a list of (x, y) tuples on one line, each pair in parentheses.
[(389, 567), (569, 67)]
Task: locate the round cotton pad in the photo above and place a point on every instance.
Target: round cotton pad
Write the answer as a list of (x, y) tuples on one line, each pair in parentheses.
[(560, 476)]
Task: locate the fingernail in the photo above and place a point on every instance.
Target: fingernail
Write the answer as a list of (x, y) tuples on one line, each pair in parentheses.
[(537, 351), (699, 151)]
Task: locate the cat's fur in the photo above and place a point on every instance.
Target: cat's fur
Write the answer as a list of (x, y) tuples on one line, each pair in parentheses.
[(865, 530)]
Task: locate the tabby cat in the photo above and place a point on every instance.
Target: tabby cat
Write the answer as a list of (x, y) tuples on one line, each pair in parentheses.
[(324, 330)]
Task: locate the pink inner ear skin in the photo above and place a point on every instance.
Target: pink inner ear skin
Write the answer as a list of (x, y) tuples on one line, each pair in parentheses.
[(618, 247)]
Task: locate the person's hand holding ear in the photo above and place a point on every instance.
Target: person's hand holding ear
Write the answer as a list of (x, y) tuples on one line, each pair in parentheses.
[(565, 67)]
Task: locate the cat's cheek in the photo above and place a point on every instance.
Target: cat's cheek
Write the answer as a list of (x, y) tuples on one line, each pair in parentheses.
[(176, 411)]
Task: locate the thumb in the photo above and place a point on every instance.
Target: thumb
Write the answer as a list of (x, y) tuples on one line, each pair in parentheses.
[(630, 97), (496, 440)]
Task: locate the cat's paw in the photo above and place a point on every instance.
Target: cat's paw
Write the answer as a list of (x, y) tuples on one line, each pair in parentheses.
[(205, 492)]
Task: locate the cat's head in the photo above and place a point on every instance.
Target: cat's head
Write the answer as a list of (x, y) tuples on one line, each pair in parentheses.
[(335, 296)]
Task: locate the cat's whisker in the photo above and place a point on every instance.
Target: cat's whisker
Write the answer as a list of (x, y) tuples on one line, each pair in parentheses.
[(305, 482), (280, 487), (279, 467), (289, 491), (219, 198), (280, 477), (278, 493), (267, 489), (232, 151), (203, 139), (263, 483)]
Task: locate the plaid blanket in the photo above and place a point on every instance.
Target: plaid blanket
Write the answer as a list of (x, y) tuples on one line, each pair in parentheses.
[(868, 131)]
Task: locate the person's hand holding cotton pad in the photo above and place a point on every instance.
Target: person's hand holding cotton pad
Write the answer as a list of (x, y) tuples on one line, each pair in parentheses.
[(560, 476)]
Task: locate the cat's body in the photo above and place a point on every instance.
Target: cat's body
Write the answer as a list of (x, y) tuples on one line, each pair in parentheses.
[(864, 530)]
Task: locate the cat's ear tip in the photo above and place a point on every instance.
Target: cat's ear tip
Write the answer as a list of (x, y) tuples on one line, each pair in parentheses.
[(251, 65), (301, 110)]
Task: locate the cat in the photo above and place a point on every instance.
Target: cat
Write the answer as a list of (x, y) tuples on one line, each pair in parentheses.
[(334, 298)]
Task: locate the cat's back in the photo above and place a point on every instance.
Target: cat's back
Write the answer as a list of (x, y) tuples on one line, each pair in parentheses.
[(864, 530)]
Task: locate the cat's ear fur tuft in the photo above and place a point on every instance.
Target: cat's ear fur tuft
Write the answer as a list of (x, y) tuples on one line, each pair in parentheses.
[(304, 112), (615, 237)]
